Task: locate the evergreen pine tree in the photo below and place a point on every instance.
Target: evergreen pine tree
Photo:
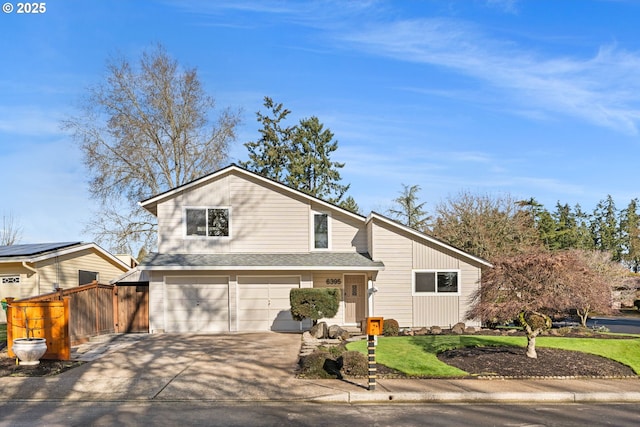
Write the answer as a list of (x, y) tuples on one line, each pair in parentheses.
[(310, 168), (269, 156), (408, 211), (605, 229), (630, 230)]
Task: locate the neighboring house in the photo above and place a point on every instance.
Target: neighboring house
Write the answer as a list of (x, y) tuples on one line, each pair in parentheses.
[(232, 244), (34, 269)]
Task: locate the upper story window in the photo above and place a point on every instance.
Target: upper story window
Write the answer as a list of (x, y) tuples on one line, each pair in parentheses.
[(208, 222), (432, 282), (321, 231), (10, 280)]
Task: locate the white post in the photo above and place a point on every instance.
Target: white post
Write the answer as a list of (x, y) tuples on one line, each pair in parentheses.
[(371, 289)]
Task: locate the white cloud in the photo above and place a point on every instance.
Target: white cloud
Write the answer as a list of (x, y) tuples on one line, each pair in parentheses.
[(602, 89), (29, 121)]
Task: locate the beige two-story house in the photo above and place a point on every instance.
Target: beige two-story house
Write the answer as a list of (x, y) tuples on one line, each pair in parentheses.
[(232, 244)]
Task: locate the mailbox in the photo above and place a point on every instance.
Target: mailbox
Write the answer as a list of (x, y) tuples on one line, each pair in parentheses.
[(374, 325)]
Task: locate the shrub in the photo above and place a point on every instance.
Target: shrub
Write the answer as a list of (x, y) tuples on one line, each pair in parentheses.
[(390, 328), (354, 364), (314, 303), (319, 364), (333, 362)]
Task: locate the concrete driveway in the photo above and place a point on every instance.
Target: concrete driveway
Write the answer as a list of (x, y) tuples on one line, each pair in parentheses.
[(232, 367)]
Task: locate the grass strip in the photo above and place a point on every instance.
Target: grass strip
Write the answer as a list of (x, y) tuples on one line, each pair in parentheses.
[(416, 355)]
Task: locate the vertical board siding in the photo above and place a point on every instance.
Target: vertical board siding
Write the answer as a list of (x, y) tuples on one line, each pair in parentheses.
[(402, 253), (443, 311), (393, 299)]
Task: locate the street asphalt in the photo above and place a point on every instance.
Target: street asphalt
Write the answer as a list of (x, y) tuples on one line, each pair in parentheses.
[(247, 367)]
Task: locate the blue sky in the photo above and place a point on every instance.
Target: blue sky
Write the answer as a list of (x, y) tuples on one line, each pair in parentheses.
[(531, 98)]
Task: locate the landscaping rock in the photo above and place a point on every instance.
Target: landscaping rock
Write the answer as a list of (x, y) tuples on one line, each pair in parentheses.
[(421, 331), (336, 332), (319, 331), (436, 330), (458, 328)]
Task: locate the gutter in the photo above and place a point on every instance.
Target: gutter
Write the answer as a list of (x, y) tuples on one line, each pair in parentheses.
[(24, 264)]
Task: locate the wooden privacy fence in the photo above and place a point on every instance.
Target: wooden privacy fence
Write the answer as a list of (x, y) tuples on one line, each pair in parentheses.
[(90, 310), (42, 319)]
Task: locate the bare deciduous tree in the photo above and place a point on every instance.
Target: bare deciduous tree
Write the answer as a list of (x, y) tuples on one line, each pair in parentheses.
[(485, 226), (11, 231), (142, 131), (594, 293)]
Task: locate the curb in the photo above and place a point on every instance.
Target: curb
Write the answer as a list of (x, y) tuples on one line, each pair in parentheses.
[(479, 397)]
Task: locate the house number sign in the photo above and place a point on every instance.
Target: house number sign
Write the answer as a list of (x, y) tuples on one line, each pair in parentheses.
[(334, 281)]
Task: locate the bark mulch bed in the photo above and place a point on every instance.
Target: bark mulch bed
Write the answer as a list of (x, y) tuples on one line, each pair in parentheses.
[(512, 362), (9, 368)]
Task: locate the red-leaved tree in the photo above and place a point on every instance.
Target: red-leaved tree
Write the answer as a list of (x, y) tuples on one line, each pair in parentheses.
[(533, 286)]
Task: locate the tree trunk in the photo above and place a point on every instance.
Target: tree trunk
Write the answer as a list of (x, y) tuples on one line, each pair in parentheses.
[(531, 346), (584, 315)]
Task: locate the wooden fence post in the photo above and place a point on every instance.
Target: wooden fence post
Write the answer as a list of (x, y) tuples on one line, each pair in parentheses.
[(9, 321)]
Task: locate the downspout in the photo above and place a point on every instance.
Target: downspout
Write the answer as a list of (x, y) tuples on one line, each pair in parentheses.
[(24, 264)]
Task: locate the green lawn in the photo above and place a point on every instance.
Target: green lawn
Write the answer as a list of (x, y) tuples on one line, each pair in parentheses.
[(417, 355)]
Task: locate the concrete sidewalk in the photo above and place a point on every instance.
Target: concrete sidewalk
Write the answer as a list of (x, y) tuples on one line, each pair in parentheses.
[(259, 367)]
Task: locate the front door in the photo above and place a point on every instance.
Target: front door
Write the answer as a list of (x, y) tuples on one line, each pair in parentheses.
[(354, 298)]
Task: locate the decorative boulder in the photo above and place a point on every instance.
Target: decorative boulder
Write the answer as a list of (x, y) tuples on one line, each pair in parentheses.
[(336, 332), (436, 330), (319, 330), (458, 328)]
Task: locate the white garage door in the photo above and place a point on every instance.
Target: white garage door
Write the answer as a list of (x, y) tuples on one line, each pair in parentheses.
[(263, 303), (197, 304)]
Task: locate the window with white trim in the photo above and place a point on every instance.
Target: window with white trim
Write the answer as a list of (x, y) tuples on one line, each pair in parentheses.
[(433, 282), (207, 222), (10, 280), (320, 231)]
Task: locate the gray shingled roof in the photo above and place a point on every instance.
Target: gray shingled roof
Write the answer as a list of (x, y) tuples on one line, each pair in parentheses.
[(299, 261), (33, 249)]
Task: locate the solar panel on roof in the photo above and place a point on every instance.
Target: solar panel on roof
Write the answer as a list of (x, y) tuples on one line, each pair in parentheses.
[(33, 249)]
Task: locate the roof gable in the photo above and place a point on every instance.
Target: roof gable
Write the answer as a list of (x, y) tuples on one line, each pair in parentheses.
[(394, 224), (152, 203)]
